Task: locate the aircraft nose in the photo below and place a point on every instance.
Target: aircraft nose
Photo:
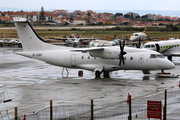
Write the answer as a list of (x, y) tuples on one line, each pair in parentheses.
[(170, 65), (165, 64)]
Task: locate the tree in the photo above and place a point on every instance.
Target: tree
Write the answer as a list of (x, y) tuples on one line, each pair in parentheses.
[(42, 17), (127, 16), (118, 14), (167, 19), (137, 17), (144, 17), (161, 19), (88, 14), (132, 16)]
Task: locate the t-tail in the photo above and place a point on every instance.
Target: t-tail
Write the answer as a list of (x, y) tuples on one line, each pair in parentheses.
[(29, 38)]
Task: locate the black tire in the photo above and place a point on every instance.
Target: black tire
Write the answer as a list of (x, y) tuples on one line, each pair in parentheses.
[(106, 74), (97, 74)]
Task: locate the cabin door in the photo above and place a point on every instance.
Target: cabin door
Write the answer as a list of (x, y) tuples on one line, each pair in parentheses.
[(141, 58)]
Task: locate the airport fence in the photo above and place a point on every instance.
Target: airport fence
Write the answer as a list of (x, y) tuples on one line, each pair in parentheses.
[(112, 111)]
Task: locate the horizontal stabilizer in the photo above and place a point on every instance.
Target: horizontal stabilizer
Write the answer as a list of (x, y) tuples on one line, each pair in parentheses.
[(20, 20)]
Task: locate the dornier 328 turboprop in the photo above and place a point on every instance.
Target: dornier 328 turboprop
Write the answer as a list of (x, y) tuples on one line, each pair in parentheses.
[(97, 59)]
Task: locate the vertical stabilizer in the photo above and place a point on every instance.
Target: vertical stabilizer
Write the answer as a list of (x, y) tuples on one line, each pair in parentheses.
[(145, 29), (3, 39), (29, 39)]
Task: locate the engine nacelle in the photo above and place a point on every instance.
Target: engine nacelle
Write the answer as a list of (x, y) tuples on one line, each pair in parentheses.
[(107, 53), (94, 44)]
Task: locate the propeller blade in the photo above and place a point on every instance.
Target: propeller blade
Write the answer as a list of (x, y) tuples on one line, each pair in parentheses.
[(119, 60), (121, 57), (123, 60)]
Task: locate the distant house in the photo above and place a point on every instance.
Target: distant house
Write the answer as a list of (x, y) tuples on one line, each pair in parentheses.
[(76, 22), (6, 19)]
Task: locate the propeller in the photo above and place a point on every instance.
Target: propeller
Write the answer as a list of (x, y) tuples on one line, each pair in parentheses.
[(122, 52)]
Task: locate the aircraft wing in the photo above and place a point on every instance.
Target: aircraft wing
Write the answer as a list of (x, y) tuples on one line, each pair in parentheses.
[(63, 38), (84, 50)]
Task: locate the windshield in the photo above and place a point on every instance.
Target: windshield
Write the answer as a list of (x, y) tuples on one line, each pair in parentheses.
[(76, 40), (160, 56), (152, 56), (156, 56), (149, 46)]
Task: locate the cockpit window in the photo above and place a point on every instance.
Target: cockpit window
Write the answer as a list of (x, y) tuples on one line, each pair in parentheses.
[(147, 46), (153, 56), (156, 56), (152, 46), (136, 34), (77, 40), (160, 56)]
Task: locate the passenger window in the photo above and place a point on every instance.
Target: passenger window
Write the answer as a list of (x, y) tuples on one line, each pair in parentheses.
[(82, 57), (153, 56), (88, 57), (131, 58)]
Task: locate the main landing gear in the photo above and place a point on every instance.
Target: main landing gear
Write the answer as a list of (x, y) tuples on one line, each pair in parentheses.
[(105, 74), (97, 74)]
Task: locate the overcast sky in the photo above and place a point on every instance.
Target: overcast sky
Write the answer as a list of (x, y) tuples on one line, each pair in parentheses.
[(167, 5)]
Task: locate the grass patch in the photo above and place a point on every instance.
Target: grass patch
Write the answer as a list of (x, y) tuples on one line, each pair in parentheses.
[(86, 33)]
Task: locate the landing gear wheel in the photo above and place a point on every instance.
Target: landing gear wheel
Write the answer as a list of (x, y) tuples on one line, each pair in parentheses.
[(97, 74), (106, 74)]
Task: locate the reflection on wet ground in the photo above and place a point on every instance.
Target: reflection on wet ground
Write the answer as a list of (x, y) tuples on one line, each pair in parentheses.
[(31, 84)]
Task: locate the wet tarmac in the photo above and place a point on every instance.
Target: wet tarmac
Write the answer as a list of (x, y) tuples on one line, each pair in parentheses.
[(32, 84)]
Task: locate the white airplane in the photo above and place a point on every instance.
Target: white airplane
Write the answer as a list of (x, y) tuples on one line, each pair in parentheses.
[(14, 41), (101, 43), (168, 48), (139, 36), (74, 40), (97, 59)]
